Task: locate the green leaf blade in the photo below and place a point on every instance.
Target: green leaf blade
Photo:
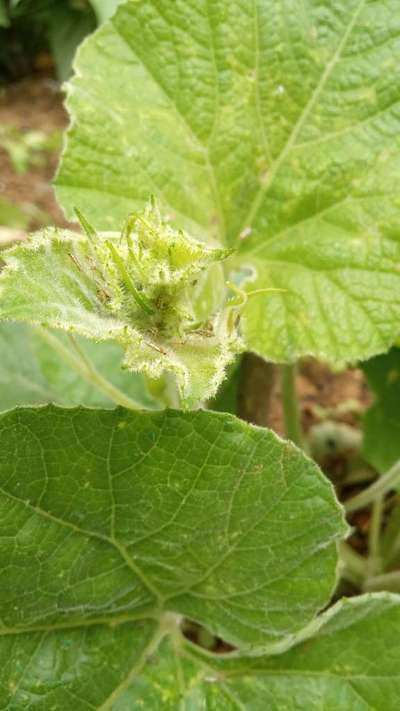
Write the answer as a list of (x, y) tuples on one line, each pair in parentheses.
[(81, 668), (258, 574), (351, 663), (273, 130), (348, 661)]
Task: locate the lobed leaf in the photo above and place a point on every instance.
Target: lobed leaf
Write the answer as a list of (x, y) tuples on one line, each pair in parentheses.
[(114, 515), (350, 662), (272, 127)]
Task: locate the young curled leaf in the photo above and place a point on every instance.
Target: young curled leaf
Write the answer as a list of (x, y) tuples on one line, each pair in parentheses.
[(135, 288)]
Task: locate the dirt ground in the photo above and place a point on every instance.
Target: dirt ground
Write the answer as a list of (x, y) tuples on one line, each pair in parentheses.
[(38, 104), (27, 105), (323, 393)]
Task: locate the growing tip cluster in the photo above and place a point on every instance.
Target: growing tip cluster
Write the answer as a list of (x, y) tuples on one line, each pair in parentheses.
[(140, 288)]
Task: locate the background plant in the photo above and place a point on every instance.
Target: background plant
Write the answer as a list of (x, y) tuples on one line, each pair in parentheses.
[(272, 131), (28, 28)]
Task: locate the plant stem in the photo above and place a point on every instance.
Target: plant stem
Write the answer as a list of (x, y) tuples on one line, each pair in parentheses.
[(87, 370), (374, 560), (389, 582), (291, 413), (378, 489), (360, 476)]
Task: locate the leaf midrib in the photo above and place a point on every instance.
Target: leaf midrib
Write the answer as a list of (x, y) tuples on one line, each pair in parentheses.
[(106, 621), (192, 135), (263, 190), (119, 547), (160, 599)]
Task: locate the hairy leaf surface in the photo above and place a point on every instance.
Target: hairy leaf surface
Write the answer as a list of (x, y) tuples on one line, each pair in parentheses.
[(138, 291), (270, 126)]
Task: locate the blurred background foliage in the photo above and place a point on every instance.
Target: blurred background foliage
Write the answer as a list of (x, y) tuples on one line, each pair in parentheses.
[(38, 41), (36, 35)]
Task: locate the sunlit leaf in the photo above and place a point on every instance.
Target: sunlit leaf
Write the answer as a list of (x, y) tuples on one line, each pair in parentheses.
[(272, 127)]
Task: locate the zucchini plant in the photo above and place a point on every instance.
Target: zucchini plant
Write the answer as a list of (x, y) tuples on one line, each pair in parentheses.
[(234, 169)]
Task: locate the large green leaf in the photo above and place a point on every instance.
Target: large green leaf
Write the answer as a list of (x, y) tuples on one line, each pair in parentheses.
[(73, 668), (381, 423), (114, 515), (32, 372), (271, 126), (350, 664), (21, 380)]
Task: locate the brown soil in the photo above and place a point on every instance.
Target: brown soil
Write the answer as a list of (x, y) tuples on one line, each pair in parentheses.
[(320, 387), (32, 104)]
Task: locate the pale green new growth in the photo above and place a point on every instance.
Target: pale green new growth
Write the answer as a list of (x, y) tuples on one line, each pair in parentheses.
[(38, 366), (136, 288)]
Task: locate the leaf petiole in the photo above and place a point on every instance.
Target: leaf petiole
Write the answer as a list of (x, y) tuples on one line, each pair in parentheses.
[(86, 369), (242, 296), (380, 487)]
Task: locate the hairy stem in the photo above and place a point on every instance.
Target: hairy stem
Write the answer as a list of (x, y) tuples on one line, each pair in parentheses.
[(255, 387), (291, 413), (388, 582), (87, 370)]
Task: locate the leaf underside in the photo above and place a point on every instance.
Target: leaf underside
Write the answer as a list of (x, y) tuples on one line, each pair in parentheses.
[(32, 373), (270, 127)]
